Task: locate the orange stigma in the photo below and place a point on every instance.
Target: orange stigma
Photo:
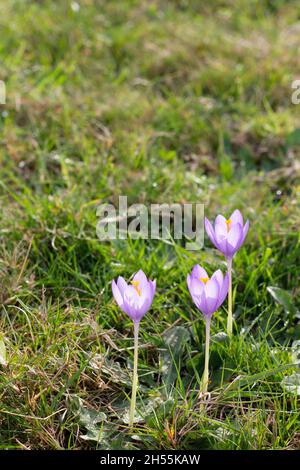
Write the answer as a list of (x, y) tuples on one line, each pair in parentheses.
[(136, 286), (228, 223), (204, 279)]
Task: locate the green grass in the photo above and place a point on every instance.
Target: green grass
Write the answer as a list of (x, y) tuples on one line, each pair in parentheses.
[(163, 102)]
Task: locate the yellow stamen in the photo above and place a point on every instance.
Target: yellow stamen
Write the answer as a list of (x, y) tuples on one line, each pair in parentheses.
[(136, 286), (228, 222), (204, 279)]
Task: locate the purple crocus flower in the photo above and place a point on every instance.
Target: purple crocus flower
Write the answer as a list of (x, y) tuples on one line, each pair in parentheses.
[(227, 235), (207, 293), (135, 298)]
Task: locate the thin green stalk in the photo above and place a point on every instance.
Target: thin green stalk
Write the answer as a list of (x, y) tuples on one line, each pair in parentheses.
[(206, 363), (135, 373), (230, 317)]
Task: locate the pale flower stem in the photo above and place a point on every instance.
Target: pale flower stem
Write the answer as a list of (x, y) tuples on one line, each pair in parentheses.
[(206, 363), (135, 373), (230, 317)]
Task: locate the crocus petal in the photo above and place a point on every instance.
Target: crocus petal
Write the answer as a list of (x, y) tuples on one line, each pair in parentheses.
[(218, 275), (131, 296), (131, 303), (218, 241), (244, 234), (221, 245), (145, 305), (188, 281), (236, 218), (140, 277), (122, 285), (234, 235), (146, 291), (220, 219), (146, 298), (211, 295), (223, 291), (245, 230), (146, 294), (220, 227), (200, 302), (153, 285), (233, 239), (117, 294), (209, 230), (199, 272), (196, 286)]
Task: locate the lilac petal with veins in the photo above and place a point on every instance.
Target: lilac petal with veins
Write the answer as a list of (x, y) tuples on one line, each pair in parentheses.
[(117, 294), (223, 290), (212, 289), (234, 238), (196, 286), (236, 218), (245, 231), (141, 278), (210, 231), (122, 284), (221, 227), (199, 272), (218, 275)]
